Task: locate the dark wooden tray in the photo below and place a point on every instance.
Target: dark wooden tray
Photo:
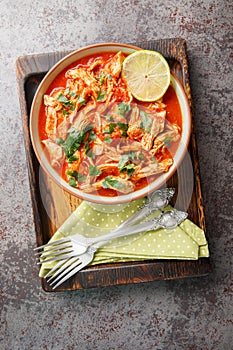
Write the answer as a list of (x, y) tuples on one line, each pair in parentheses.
[(51, 205)]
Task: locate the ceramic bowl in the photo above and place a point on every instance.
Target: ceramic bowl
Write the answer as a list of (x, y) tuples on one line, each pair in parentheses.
[(38, 148)]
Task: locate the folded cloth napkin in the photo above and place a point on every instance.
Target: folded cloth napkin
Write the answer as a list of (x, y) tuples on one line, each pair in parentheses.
[(187, 241)]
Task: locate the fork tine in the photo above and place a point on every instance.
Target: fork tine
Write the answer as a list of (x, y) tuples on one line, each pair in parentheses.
[(62, 240), (56, 253), (54, 268), (63, 265), (69, 268), (57, 258), (65, 245), (74, 271)]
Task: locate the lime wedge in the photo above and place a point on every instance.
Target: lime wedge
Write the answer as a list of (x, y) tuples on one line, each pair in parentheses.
[(147, 75)]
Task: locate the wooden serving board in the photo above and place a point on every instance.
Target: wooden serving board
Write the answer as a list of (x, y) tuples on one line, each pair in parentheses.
[(51, 205)]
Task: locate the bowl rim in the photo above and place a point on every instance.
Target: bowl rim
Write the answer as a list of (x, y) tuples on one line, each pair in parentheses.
[(97, 198)]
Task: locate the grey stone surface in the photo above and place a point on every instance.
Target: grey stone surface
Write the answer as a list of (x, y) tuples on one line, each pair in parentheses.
[(186, 314)]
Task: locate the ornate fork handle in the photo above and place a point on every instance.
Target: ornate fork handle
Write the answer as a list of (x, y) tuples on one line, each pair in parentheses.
[(155, 201)]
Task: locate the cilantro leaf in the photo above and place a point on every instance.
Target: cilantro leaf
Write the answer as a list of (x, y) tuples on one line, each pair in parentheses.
[(123, 160), (101, 77), (111, 127), (81, 178), (101, 95), (108, 117), (64, 112), (74, 141), (59, 141), (129, 168), (92, 136), (123, 108), (73, 94), (141, 155), (123, 126), (72, 182), (146, 121), (167, 141), (65, 101), (110, 182), (76, 175), (81, 100), (93, 170), (108, 139), (90, 154)]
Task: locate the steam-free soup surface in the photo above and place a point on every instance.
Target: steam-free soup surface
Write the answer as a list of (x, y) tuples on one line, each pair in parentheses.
[(98, 137)]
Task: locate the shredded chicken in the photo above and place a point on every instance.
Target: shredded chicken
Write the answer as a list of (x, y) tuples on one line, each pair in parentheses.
[(55, 153), (124, 186), (103, 136)]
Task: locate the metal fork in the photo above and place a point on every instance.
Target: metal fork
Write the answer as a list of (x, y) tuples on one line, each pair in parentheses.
[(78, 244), (66, 268)]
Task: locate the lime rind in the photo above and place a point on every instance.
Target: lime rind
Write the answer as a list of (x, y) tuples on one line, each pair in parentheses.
[(147, 75)]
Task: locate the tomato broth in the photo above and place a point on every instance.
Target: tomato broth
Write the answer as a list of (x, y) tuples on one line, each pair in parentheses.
[(66, 168)]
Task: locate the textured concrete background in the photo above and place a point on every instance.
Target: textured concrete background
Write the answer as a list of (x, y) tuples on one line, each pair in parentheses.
[(186, 314)]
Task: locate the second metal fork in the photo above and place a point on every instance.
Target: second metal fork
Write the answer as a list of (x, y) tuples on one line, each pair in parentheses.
[(66, 268)]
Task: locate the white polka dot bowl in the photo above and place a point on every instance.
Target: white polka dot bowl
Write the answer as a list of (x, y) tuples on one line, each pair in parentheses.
[(39, 148)]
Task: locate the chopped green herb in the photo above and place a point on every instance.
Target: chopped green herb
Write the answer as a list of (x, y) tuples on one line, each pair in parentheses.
[(154, 160), (110, 130), (59, 141), (92, 136), (93, 170), (73, 94), (167, 141), (81, 100), (90, 154), (72, 158), (111, 127), (108, 117), (124, 164), (109, 77), (64, 112), (74, 141), (129, 168), (76, 175), (101, 77), (123, 160), (109, 182), (108, 139), (123, 108), (86, 146), (123, 126), (132, 155), (141, 155), (101, 95), (81, 178), (72, 182), (65, 101), (146, 121), (72, 173)]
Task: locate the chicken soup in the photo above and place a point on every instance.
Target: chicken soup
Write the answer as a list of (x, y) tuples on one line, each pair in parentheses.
[(99, 137)]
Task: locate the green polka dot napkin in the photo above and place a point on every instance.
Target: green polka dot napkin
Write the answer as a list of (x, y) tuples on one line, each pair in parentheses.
[(187, 241)]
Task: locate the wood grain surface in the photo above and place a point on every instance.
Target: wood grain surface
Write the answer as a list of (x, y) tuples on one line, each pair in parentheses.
[(52, 205)]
